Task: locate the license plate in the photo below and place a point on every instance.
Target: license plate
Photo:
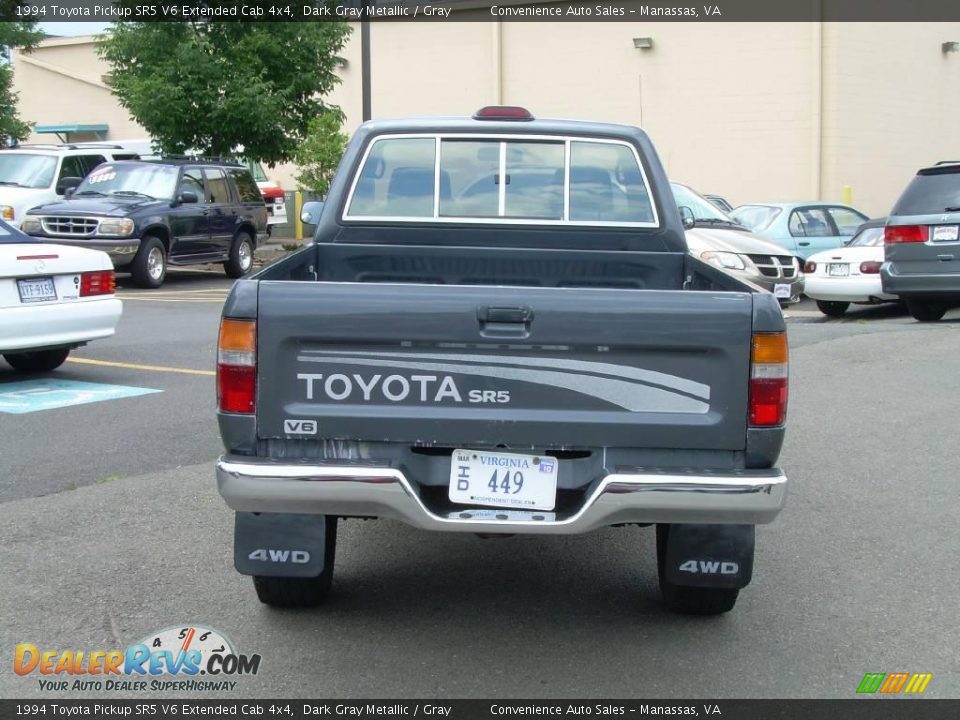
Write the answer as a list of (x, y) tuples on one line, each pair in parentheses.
[(524, 482), (838, 269), (36, 290), (781, 290), (945, 232)]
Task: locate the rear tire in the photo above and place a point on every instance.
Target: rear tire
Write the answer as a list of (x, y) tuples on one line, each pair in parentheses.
[(300, 592), (925, 310), (241, 256), (832, 308), (37, 361), (149, 267), (687, 600)]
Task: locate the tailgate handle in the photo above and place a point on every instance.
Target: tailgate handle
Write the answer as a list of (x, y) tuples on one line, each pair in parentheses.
[(944, 258), (510, 322)]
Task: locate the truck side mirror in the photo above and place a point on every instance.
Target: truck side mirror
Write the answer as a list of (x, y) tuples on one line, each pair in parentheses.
[(687, 216), (311, 212), (67, 184)]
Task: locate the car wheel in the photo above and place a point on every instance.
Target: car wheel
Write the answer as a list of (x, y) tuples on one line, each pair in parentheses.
[(38, 360), (301, 592), (149, 267), (832, 308), (241, 256), (925, 311), (690, 600)]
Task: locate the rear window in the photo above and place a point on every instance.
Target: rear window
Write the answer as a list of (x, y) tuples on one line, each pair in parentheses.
[(868, 237), (246, 187), (932, 191), (465, 178)]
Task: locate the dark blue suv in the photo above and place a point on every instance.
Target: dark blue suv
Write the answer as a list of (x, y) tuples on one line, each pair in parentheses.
[(148, 215)]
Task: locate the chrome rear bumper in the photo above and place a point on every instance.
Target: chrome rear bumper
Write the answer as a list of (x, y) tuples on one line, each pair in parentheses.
[(748, 497)]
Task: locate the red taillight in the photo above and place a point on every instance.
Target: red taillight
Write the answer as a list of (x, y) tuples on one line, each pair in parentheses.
[(893, 234), (271, 193), (768, 379), (870, 268), (809, 267), (237, 366), (101, 282), (502, 112)]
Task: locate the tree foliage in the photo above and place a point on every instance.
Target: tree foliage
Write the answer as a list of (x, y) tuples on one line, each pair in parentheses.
[(320, 153), (216, 86), (14, 35)]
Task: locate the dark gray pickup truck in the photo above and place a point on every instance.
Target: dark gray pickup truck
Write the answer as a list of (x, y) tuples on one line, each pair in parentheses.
[(498, 330)]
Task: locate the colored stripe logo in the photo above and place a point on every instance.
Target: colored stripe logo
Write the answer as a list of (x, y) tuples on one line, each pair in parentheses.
[(894, 683)]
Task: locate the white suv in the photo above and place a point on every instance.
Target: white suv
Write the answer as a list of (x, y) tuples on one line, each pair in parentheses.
[(31, 175)]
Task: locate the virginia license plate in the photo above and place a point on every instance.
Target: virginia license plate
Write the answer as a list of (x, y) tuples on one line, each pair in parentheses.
[(524, 482), (36, 290), (781, 290), (838, 269), (945, 232)]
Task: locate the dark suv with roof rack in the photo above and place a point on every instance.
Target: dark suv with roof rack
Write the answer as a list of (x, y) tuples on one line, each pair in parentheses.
[(922, 243), (148, 215)]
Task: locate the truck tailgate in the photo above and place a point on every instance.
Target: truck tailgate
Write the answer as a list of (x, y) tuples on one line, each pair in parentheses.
[(474, 366)]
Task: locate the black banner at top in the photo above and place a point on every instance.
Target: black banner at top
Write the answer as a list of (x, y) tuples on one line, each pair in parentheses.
[(483, 10)]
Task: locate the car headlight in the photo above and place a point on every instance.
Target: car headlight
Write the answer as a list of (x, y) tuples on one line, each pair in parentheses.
[(727, 260), (6, 212), (31, 225), (116, 227)]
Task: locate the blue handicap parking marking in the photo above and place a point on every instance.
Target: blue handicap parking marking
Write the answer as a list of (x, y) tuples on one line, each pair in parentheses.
[(32, 395)]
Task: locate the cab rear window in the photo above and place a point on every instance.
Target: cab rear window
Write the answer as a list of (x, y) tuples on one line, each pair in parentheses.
[(483, 179)]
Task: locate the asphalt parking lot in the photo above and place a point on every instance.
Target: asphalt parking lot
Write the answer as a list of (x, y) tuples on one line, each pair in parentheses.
[(112, 529)]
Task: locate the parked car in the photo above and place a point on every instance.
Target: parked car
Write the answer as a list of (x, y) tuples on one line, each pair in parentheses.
[(802, 228), (147, 215), (721, 241), (720, 202), (32, 175), (851, 274), (52, 299), (922, 243), (500, 366)]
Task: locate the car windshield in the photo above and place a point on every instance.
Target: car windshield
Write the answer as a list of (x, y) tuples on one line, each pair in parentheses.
[(755, 217), (702, 208), (9, 235), (27, 170), (156, 181), (931, 192), (868, 237)]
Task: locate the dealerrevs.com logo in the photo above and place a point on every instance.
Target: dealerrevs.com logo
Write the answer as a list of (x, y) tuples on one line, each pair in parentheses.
[(188, 657)]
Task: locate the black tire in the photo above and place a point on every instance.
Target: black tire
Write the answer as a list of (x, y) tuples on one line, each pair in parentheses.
[(296, 592), (149, 266), (832, 308), (690, 600), (925, 310), (241, 255), (38, 360)]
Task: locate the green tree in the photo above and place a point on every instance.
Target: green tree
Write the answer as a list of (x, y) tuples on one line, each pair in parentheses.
[(320, 153), (216, 86), (14, 35)]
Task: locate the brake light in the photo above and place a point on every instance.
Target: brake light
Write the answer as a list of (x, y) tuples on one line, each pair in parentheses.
[(870, 268), (101, 282), (237, 366), (893, 234), (809, 267), (768, 379), (271, 192), (502, 112)]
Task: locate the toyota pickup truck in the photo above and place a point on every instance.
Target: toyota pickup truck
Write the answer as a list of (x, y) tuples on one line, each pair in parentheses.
[(498, 330)]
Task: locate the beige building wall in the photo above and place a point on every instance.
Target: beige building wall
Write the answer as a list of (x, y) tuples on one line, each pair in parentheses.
[(752, 111)]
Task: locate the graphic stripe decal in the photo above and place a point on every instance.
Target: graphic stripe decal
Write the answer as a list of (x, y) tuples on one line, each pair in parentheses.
[(652, 377), (632, 396)]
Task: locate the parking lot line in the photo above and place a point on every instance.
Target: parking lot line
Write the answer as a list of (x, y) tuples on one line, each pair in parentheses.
[(136, 366)]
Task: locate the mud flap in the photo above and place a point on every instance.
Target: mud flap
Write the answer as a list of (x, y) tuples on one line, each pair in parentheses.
[(280, 545), (719, 556)]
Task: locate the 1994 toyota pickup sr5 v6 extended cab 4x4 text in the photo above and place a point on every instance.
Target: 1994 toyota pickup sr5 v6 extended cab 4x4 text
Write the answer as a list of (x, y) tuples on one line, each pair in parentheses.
[(498, 330)]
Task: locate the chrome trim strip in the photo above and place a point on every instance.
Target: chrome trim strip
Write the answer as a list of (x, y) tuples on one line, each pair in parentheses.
[(642, 496)]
